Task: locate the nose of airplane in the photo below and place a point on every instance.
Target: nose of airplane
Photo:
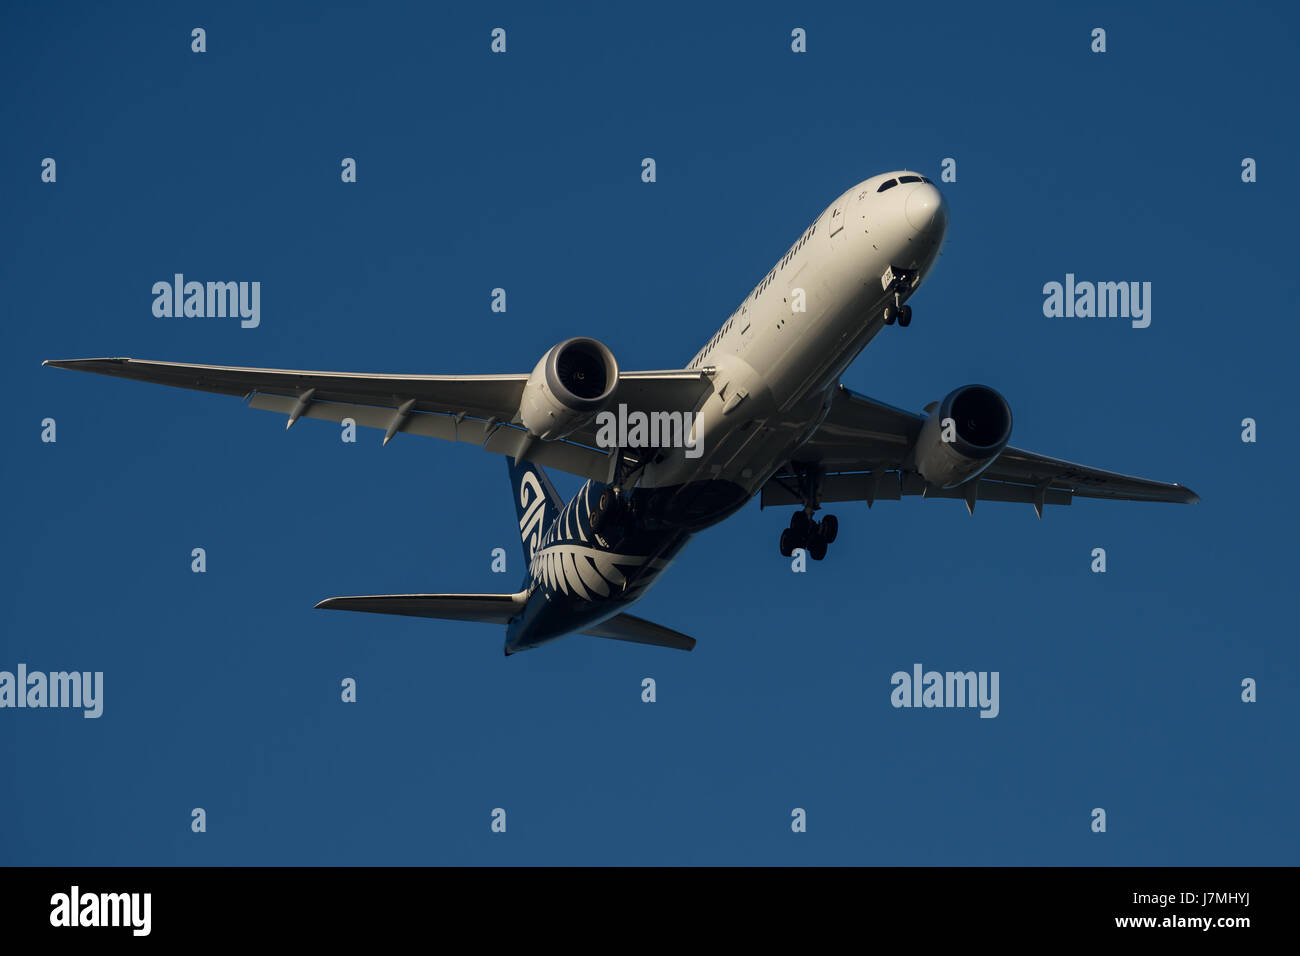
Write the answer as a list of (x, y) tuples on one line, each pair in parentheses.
[(925, 209)]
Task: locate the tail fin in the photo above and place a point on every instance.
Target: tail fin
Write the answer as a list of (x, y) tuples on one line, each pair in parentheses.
[(536, 503)]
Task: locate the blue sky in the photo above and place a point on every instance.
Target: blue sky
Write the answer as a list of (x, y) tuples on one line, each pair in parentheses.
[(521, 170)]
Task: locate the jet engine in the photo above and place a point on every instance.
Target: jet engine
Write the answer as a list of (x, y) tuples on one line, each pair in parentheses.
[(963, 435), (572, 383)]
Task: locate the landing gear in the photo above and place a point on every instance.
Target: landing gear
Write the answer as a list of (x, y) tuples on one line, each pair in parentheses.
[(812, 536), (901, 313), (614, 511), (898, 283), (804, 531), (609, 510)]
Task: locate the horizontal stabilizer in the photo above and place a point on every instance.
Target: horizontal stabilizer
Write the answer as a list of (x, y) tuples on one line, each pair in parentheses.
[(625, 627), (484, 608)]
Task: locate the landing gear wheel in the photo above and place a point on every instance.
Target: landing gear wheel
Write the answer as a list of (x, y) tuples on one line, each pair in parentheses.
[(805, 532), (890, 314), (828, 528), (905, 316)]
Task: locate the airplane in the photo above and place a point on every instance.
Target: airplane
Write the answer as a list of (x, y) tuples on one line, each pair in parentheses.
[(769, 418)]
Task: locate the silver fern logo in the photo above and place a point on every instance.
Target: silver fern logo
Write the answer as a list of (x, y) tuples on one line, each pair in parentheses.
[(585, 571), (530, 525)]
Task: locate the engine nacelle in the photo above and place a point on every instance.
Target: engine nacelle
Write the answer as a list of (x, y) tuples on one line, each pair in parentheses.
[(572, 383), (980, 428)]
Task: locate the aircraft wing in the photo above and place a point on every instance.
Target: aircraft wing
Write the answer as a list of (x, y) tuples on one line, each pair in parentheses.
[(479, 409), (864, 447)]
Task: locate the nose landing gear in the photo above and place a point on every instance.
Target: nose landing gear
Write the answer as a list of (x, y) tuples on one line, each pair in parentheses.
[(899, 283), (903, 313)]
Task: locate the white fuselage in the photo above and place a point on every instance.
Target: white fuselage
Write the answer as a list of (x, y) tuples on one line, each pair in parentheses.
[(776, 366)]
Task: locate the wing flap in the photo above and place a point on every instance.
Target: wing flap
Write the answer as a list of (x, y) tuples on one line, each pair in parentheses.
[(859, 432), (668, 390), (496, 437), (893, 486)]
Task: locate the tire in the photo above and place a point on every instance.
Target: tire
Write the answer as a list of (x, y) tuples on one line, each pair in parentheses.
[(905, 316), (890, 315), (828, 529), (787, 543), (817, 548), (800, 525)]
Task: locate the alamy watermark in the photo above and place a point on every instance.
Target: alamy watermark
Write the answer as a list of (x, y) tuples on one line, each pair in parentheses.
[(638, 429), (210, 300), (949, 689), (76, 908), (84, 689), (1102, 300)]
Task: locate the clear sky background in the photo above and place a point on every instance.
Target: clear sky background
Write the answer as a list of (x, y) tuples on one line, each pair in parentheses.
[(522, 170)]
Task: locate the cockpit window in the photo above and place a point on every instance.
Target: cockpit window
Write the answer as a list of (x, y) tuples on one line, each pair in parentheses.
[(889, 185), (911, 179)]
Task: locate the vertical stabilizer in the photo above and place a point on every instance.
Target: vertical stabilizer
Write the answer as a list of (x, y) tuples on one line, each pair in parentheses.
[(536, 504)]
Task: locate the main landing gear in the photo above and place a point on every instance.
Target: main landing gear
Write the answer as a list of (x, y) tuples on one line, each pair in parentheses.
[(804, 531), (813, 536), (609, 512)]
